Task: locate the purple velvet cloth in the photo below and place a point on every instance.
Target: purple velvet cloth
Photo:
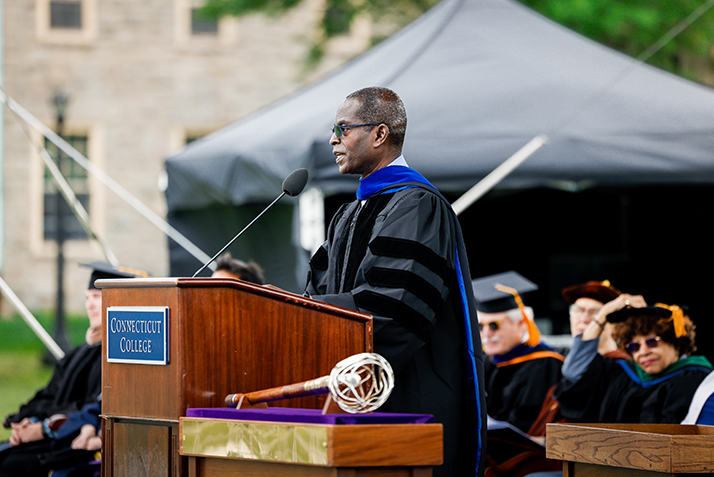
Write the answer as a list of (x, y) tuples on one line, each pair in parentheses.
[(307, 416)]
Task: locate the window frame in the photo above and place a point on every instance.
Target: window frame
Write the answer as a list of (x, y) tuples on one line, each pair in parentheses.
[(86, 34), (75, 230), (226, 34), (195, 21), (74, 248), (56, 3)]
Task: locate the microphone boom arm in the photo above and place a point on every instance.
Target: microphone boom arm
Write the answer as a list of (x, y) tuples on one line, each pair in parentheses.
[(237, 235)]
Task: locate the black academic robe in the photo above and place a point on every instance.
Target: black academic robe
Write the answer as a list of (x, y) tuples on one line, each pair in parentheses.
[(76, 381), (395, 258), (36, 459), (516, 388), (606, 393)]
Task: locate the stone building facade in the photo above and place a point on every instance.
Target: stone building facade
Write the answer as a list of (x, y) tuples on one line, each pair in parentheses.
[(141, 76)]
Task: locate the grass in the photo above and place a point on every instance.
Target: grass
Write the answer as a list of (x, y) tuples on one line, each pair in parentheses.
[(22, 371)]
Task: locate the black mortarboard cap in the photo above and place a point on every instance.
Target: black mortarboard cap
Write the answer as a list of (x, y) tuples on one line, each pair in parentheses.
[(491, 300), (625, 313), (107, 270)]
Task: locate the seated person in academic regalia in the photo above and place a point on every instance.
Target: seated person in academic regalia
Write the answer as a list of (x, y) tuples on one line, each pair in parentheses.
[(73, 446), (701, 410), (655, 385), (521, 368), (229, 267), (585, 302), (76, 380)]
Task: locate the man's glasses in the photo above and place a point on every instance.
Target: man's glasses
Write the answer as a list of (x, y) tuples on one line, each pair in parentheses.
[(576, 310), (633, 346), (339, 129), (492, 325)]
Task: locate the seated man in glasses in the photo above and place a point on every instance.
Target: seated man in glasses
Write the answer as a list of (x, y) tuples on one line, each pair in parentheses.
[(654, 386), (585, 301), (521, 368)]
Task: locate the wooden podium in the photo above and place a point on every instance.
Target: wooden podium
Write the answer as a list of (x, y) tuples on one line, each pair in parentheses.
[(224, 336), (631, 450)]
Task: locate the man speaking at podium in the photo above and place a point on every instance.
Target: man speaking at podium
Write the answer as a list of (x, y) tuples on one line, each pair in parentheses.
[(397, 253)]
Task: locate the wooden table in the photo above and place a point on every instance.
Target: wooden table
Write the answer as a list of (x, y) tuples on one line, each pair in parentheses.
[(631, 450)]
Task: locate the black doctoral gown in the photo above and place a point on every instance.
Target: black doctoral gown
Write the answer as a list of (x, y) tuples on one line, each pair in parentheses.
[(400, 257), (611, 392), (38, 458), (516, 387), (76, 381)]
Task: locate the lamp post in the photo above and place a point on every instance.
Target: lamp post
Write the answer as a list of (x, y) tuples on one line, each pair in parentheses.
[(60, 101)]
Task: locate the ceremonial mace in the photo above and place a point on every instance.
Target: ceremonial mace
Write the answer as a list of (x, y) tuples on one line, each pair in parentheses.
[(358, 384)]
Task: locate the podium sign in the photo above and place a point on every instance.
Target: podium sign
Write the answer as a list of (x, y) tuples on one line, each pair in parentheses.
[(138, 334)]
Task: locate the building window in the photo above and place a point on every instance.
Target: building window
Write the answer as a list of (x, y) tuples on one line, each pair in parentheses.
[(76, 176), (66, 14), (200, 25), (66, 22), (195, 30)]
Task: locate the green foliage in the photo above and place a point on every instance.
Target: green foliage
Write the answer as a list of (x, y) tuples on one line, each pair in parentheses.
[(338, 13), (630, 26), (220, 8), (337, 18)]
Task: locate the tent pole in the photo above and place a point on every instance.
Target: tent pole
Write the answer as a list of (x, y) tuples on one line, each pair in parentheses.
[(79, 211), (113, 185), (497, 175), (31, 321)]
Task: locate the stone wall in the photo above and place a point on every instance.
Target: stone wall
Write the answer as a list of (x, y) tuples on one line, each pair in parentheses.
[(138, 83)]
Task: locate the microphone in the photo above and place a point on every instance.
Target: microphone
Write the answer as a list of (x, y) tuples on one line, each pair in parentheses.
[(292, 186), (294, 183)]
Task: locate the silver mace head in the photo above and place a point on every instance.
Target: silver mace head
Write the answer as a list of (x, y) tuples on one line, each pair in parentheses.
[(361, 383)]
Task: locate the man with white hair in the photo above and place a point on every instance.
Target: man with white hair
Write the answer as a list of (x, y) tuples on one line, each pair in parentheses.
[(521, 368)]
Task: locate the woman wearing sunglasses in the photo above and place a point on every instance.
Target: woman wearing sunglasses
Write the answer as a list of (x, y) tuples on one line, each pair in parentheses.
[(655, 385)]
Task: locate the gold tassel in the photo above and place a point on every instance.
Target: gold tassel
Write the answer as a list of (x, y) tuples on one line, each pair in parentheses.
[(677, 319), (533, 333)]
